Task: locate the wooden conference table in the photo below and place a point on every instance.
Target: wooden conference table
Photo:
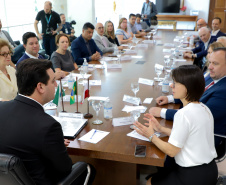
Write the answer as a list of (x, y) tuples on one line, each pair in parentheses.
[(113, 157)]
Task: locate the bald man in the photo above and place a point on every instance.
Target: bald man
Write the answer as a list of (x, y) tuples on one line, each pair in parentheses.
[(101, 41), (222, 40), (200, 52), (50, 20), (201, 23)]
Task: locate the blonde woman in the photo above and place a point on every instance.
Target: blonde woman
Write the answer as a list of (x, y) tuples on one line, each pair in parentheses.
[(122, 33), (8, 84), (109, 32)]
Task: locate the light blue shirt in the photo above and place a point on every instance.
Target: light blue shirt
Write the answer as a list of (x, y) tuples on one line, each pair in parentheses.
[(147, 9)]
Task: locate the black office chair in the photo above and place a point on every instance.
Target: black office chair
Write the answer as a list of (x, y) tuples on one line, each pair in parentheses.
[(221, 155), (13, 172)]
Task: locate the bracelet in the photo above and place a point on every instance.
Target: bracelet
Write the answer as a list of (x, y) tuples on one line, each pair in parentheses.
[(150, 138)]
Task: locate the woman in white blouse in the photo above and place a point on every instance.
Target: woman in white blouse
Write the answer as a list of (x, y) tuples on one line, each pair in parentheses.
[(191, 140), (8, 84)]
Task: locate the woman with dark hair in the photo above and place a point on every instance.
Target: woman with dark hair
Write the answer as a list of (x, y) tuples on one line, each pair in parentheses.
[(8, 84), (109, 32), (62, 59), (191, 140)]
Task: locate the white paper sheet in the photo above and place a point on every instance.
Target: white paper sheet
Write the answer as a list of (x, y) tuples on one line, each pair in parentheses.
[(95, 82), (97, 98), (122, 121), (94, 136), (148, 100), (125, 57), (70, 115), (142, 45), (131, 108), (148, 41), (138, 136), (114, 66), (131, 99), (145, 81)]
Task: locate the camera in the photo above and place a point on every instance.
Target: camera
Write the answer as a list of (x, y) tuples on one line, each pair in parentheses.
[(49, 31)]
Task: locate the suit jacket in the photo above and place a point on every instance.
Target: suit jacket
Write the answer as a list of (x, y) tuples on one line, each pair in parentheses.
[(9, 38), (101, 46), (25, 56), (219, 34), (153, 10), (200, 51), (80, 51), (214, 98), (29, 133)]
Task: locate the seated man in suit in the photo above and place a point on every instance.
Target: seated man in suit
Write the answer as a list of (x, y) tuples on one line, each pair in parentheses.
[(31, 45), (18, 50), (101, 41), (141, 26), (199, 53), (222, 40), (216, 24), (213, 97), (85, 47), (132, 27), (28, 132)]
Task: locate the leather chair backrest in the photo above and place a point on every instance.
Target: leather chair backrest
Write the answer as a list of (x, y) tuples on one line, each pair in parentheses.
[(13, 172)]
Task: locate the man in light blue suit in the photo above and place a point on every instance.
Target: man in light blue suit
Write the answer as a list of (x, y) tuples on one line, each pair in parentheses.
[(85, 47), (214, 96)]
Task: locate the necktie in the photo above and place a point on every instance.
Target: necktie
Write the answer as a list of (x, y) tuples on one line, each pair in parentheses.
[(104, 42), (208, 86)]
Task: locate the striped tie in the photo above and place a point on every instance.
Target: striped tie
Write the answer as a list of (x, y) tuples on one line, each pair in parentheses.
[(208, 86)]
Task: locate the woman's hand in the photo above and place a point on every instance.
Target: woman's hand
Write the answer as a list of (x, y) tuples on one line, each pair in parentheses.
[(143, 130), (152, 121)]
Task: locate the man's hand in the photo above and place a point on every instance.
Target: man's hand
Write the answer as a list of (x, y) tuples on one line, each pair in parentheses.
[(96, 56), (161, 100), (155, 111), (66, 142), (187, 55), (120, 47), (40, 36), (54, 32)]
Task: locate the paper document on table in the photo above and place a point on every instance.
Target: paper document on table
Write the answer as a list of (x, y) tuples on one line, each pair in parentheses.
[(109, 59), (98, 66), (148, 100), (95, 82), (50, 105), (180, 60), (70, 115), (131, 52), (166, 50), (169, 45), (74, 75), (131, 99), (71, 126), (114, 66), (131, 108), (142, 45), (148, 41), (94, 136), (138, 136), (98, 98), (125, 45), (145, 81), (122, 121), (126, 57)]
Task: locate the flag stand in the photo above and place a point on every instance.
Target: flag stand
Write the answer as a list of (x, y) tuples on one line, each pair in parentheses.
[(62, 99), (88, 115), (77, 95)]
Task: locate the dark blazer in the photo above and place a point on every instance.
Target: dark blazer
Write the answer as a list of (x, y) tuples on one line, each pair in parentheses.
[(25, 56), (219, 34), (214, 98), (153, 12), (200, 51), (80, 51), (29, 133)]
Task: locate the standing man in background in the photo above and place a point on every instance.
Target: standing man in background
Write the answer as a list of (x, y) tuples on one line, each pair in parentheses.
[(49, 20), (149, 11)]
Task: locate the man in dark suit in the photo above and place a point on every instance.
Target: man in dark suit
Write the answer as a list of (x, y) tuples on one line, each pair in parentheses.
[(213, 97), (28, 132), (199, 53), (216, 24), (85, 47)]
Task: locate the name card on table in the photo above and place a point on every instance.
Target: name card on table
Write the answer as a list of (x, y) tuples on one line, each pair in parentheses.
[(131, 99), (148, 100), (142, 45), (132, 108), (159, 66), (95, 82), (126, 57), (107, 59), (166, 50), (131, 52), (70, 115), (169, 45), (180, 60), (114, 66), (145, 81), (98, 66), (122, 121), (148, 41), (66, 98), (98, 98), (50, 105)]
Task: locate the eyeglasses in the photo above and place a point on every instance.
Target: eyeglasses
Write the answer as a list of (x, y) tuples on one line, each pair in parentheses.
[(100, 28), (6, 54)]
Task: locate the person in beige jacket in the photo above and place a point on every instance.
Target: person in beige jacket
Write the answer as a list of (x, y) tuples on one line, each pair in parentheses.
[(8, 84)]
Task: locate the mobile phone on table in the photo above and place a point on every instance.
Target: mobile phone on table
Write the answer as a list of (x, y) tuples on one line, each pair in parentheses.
[(140, 151)]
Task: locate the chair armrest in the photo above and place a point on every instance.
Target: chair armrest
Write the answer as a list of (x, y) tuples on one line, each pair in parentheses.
[(220, 135), (77, 169), (17, 42)]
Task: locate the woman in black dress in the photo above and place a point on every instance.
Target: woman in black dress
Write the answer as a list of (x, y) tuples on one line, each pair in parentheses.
[(109, 32)]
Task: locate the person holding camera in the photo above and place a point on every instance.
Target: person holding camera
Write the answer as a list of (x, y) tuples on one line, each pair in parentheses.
[(66, 27), (49, 19)]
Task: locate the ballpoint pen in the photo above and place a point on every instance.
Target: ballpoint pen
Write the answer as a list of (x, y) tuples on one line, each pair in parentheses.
[(93, 134)]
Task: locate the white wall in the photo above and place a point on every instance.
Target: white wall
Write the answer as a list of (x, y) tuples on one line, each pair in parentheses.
[(81, 11)]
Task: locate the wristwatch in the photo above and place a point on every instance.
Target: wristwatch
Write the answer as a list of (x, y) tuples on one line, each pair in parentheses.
[(150, 138)]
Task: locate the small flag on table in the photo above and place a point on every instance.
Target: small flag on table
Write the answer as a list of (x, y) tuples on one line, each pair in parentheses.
[(57, 95), (73, 93)]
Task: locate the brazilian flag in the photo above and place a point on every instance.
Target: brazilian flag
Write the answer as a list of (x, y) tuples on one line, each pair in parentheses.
[(73, 93)]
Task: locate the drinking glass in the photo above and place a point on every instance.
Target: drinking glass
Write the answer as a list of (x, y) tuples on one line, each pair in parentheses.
[(82, 72), (135, 87), (96, 104), (167, 61), (158, 71), (119, 56), (135, 114)]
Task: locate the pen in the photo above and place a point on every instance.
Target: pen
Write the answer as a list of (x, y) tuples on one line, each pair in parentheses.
[(93, 134)]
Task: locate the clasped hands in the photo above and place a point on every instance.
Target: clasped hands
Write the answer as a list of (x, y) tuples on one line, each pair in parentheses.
[(96, 56), (187, 54)]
